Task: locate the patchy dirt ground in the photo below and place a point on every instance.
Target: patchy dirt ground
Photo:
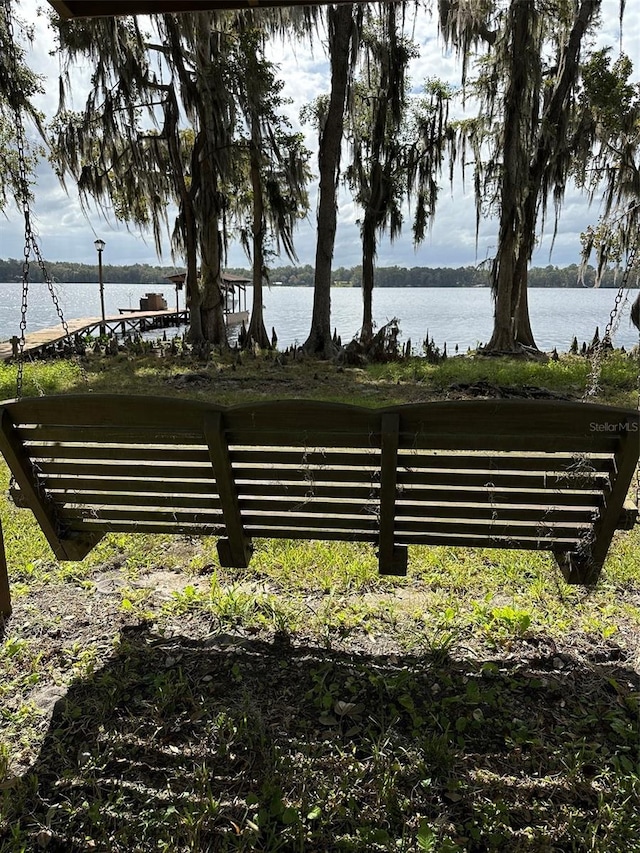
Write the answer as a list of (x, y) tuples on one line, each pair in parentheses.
[(159, 726)]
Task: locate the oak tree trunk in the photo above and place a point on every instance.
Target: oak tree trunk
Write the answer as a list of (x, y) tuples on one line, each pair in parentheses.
[(524, 172), (504, 283)]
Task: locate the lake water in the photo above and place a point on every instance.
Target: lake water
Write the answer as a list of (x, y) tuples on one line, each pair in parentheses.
[(460, 316)]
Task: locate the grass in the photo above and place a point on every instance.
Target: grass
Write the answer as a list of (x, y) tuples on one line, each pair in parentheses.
[(152, 700)]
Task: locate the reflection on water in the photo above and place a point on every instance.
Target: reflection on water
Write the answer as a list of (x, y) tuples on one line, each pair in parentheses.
[(461, 317)]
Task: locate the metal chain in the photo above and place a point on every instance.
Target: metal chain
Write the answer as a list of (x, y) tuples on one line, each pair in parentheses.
[(638, 466), (591, 388), (49, 282), (637, 265), (23, 199)]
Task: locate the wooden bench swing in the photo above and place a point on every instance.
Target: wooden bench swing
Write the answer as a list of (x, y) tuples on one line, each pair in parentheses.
[(484, 473), (536, 475)]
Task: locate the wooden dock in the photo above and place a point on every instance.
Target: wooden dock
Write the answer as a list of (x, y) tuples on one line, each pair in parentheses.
[(136, 322)]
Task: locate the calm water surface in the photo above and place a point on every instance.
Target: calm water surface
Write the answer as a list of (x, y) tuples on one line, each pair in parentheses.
[(461, 316)]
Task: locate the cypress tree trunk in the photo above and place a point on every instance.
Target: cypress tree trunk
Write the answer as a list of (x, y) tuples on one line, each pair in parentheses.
[(368, 257), (212, 305), (341, 28), (256, 332)]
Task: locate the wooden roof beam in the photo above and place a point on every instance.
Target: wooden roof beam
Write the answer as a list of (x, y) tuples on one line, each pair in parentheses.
[(69, 9)]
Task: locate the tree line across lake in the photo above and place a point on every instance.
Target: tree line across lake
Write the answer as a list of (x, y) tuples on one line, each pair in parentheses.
[(303, 276)]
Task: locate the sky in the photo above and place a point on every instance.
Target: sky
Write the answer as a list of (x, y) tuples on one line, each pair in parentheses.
[(67, 233)]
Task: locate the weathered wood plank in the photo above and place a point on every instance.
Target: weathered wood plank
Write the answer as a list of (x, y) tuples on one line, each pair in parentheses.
[(59, 452), (100, 434), (142, 500), (503, 512), (304, 457), (62, 546), (280, 506), (235, 550), (409, 479), (311, 476), (585, 565), (509, 529), (628, 516), (176, 486), (181, 471), (479, 441), (104, 468), (392, 559), (520, 461), (5, 592), (503, 417), (460, 507), (472, 540), (132, 526), (495, 479), (327, 457), (297, 520), (585, 499), (455, 538), (72, 515), (513, 494), (68, 9)]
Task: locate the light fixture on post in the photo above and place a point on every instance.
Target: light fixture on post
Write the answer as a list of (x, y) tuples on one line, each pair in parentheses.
[(100, 244)]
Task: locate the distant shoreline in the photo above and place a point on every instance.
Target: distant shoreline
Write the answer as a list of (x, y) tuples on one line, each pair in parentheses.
[(67, 272)]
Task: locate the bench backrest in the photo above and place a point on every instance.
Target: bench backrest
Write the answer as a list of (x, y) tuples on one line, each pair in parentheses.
[(493, 473)]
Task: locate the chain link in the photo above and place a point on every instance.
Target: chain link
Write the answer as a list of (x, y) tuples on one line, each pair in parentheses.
[(637, 266), (592, 386), (24, 203), (638, 401), (23, 199)]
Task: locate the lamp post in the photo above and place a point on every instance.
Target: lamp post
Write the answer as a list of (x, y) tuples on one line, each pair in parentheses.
[(100, 244)]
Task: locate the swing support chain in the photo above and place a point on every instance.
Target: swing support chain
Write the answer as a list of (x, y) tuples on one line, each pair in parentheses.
[(30, 242), (592, 385)]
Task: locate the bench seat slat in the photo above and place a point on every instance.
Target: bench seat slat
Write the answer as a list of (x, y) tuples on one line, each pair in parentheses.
[(140, 525), (496, 479), (486, 527), (83, 503), (537, 441), (188, 470), (179, 485), (473, 540), (141, 468), (98, 434), (108, 513), (455, 493), (336, 535), (405, 509), (59, 487), (525, 543), (411, 458), (439, 477), (58, 452), (132, 499)]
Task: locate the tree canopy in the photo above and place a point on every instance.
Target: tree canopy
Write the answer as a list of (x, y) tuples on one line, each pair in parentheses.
[(184, 131)]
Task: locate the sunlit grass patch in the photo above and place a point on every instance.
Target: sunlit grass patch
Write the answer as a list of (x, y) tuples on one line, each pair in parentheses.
[(569, 375), (42, 377), (318, 566)]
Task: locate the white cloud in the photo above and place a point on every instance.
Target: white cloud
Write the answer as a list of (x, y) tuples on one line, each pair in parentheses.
[(67, 234)]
